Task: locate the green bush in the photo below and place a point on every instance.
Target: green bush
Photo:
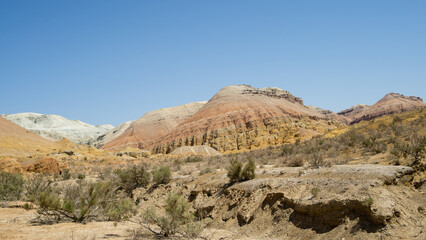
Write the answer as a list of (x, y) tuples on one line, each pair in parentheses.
[(248, 171), (82, 202), (205, 171), (315, 191), (35, 185), (236, 171), (368, 202), (66, 175), (177, 218), (193, 159), (133, 177), (81, 176), (162, 175), (11, 186)]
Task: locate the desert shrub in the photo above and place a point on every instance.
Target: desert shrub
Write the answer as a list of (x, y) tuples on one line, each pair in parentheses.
[(193, 159), (66, 175), (81, 176), (295, 161), (248, 171), (106, 173), (236, 171), (205, 170), (133, 177), (162, 175), (317, 160), (368, 202), (287, 150), (177, 218), (83, 202), (11, 186), (315, 191), (35, 185)]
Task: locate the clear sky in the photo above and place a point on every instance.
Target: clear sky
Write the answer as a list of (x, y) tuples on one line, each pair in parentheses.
[(112, 61)]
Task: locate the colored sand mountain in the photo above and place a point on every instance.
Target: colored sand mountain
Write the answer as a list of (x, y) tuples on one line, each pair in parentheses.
[(54, 127), (142, 132), (15, 140), (391, 103), (111, 134), (242, 117)]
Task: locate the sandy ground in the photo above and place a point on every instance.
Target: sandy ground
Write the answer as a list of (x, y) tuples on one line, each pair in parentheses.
[(15, 223)]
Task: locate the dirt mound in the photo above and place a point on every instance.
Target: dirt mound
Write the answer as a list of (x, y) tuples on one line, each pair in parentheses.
[(45, 165), (242, 117), (389, 104), (10, 165), (142, 132), (196, 150), (348, 201)]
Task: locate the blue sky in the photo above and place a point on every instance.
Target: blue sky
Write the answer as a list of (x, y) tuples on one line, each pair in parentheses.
[(112, 61)]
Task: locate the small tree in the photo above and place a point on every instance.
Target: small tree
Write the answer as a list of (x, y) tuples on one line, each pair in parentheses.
[(236, 171), (177, 218), (11, 186), (248, 171), (35, 185), (133, 178), (162, 175), (84, 201)]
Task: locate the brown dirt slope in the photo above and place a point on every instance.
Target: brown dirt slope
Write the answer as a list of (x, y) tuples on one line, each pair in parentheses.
[(15, 140), (389, 104), (152, 125), (243, 117)]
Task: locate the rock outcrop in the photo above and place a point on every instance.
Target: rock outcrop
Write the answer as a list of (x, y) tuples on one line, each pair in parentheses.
[(152, 125), (45, 165), (196, 150), (10, 165), (389, 104), (54, 127), (243, 117)]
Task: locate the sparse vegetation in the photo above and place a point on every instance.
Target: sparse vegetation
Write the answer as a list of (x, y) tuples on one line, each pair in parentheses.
[(315, 191), (35, 185), (236, 171), (133, 177), (205, 171), (11, 186), (368, 202), (82, 202), (162, 175), (176, 221), (193, 159)]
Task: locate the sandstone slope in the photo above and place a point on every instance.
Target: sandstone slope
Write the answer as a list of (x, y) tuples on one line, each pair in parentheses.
[(152, 125), (243, 117), (111, 134), (15, 140), (54, 127), (391, 103)]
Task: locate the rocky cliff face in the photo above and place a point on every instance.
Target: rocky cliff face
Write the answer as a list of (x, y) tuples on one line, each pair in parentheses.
[(54, 127), (242, 117), (389, 104), (152, 125)]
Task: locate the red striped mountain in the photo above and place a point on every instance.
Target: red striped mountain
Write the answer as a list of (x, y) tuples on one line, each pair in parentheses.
[(152, 125), (243, 117), (389, 104)]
